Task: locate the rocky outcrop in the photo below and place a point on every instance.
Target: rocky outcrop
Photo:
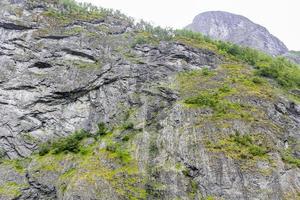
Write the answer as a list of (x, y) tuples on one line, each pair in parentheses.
[(65, 73), (237, 29)]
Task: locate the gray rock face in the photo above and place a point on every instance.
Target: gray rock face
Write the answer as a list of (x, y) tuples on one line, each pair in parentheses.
[(237, 29), (59, 75)]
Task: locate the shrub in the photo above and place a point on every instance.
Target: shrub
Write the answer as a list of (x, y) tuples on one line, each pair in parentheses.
[(119, 152), (2, 153), (288, 157), (44, 148), (102, 129), (128, 126), (205, 99), (70, 144), (257, 150), (206, 71), (257, 80)]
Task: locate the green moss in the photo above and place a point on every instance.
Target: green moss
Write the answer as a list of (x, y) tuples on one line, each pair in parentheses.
[(19, 165), (11, 189)]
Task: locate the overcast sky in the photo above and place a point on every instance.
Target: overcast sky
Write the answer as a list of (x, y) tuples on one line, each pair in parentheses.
[(280, 17)]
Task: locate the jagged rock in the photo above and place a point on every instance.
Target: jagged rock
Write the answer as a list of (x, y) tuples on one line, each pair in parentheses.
[(61, 76)]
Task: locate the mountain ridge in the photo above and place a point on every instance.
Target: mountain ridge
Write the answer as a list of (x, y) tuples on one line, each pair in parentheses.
[(237, 29)]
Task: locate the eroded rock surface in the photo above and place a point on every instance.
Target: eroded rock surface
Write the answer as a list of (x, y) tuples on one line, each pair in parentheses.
[(59, 75)]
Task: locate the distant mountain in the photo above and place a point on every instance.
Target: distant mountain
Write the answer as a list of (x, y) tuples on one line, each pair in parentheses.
[(237, 29), (293, 56)]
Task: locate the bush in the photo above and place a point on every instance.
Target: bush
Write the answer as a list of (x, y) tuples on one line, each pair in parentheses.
[(70, 144), (205, 99), (2, 153), (128, 126), (44, 148), (102, 129), (288, 157), (119, 152), (257, 80), (157, 32), (257, 150)]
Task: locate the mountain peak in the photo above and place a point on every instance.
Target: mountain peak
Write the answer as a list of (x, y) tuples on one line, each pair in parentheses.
[(238, 29)]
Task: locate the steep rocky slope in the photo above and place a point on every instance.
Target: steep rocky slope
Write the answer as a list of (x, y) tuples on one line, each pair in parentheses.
[(135, 112), (237, 29)]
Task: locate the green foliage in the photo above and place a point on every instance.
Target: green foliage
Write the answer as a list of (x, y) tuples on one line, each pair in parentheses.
[(157, 32), (119, 152), (2, 154), (153, 149), (102, 129), (10, 189), (242, 146), (288, 157), (257, 80), (192, 35), (44, 148), (204, 99), (283, 71), (206, 72), (128, 126), (69, 144), (214, 99), (66, 11), (280, 69)]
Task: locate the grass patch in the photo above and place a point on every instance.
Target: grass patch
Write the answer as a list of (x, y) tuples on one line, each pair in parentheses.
[(242, 147), (289, 158), (10, 189)]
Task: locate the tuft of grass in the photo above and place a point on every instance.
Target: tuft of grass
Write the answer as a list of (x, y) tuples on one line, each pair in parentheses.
[(102, 129)]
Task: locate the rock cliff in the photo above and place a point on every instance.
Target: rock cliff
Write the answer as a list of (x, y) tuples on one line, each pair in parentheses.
[(237, 29), (93, 106)]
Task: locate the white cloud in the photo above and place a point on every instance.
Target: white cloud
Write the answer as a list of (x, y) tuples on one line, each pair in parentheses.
[(280, 17)]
